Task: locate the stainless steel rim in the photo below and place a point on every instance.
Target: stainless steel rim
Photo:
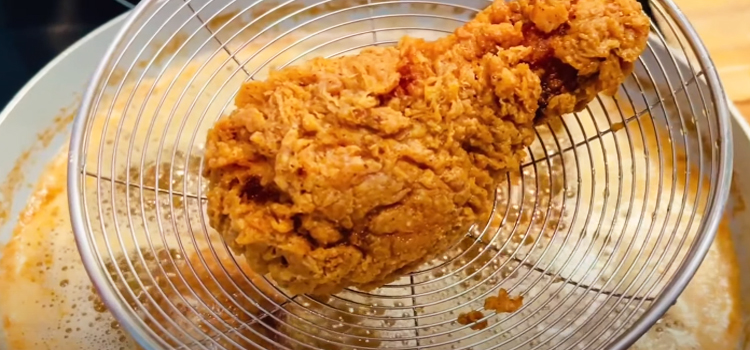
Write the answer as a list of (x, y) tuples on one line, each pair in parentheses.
[(636, 297)]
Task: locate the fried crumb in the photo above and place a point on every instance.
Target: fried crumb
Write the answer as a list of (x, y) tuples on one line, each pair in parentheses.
[(472, 317), (503, 303), (617, 126)]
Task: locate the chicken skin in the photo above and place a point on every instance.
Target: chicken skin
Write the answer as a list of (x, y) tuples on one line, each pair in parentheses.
[(353, 171)]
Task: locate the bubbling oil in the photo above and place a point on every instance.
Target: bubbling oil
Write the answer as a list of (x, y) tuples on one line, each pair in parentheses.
[(189, 289)]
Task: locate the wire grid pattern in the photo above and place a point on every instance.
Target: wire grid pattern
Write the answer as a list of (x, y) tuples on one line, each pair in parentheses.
[(599, 230)]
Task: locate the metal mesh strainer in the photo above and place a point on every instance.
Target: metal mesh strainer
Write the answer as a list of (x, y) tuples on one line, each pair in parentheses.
[(599, 230)]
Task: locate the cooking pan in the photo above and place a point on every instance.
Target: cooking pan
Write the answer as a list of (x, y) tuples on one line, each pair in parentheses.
[(35, 125)]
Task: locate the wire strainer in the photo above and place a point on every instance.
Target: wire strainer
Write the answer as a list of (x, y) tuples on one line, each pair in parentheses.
[(599, 230)]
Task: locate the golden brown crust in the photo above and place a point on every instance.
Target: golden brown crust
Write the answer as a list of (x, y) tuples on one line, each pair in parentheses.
[(355, 170)]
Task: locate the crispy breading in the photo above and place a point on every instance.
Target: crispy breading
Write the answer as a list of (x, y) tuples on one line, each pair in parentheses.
[(352, 171)]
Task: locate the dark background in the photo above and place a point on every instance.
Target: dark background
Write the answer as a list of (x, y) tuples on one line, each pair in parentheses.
[(33, 32)]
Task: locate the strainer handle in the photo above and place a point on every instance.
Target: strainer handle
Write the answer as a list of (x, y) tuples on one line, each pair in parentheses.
[(127, 3)]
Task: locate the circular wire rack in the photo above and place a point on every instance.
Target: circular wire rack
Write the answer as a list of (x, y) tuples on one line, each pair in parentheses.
[(599, 230)]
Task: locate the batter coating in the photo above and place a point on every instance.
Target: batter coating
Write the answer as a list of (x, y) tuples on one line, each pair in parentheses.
[(353, 171)]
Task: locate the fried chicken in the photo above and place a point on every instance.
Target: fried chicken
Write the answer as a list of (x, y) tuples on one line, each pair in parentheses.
[(352, 171)]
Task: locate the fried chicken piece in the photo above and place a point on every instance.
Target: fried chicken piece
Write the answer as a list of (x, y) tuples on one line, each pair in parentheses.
[(352, 171)]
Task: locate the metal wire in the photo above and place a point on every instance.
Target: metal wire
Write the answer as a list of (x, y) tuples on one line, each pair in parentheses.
[(125, 3), (599, 229)]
